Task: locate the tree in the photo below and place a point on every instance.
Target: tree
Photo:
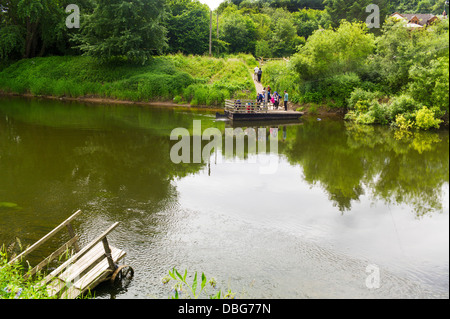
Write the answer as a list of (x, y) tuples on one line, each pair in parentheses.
[(353, 10), (330, 52), (284, 39), (188, 27), (239, 31), (124, 28), (263, 49), (28, 28), (309, 20)]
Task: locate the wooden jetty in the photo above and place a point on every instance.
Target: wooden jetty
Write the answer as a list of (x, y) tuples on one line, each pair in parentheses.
[(85, 269), (251, 110)]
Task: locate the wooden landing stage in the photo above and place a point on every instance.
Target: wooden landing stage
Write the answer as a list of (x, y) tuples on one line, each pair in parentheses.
[(250, 110), (85, 269)]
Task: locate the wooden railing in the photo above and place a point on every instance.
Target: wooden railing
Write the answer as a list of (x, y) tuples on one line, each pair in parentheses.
[(59, 251), (95, 263), (245, 106)]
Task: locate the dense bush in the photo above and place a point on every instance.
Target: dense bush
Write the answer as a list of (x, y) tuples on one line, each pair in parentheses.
[(340, 87), (403, 111), (426, 119)]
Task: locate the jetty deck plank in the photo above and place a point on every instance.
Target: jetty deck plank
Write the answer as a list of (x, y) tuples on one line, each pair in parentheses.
[(88, 267), (94, 276)]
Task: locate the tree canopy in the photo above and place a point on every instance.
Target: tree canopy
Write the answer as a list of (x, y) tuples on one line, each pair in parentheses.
[(131, 28)]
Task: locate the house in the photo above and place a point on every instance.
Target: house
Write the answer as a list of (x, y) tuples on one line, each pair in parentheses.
[(415, 20)]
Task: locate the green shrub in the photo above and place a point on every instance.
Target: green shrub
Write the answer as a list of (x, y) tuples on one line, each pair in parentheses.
[(340, 87), (402, 123), (378, 112), (425, 119), (402, 104), (178, 99), (365, 118), (360, 99), (313, 97)]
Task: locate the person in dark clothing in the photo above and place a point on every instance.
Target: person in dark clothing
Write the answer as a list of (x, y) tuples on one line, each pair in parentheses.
[(286, 99), (259, 75)]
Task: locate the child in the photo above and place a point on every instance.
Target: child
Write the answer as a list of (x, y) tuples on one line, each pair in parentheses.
[(276, 98)]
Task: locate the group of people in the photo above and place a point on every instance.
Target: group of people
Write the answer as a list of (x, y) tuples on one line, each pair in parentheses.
[(275, 98)]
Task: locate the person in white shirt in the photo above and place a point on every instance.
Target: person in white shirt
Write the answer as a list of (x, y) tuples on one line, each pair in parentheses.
[(256, 73)]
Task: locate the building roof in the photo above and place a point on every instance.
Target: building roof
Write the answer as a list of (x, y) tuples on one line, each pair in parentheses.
[(413, 25), (416, 18)]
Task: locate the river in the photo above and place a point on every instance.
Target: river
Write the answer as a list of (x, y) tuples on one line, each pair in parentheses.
[(343, 205)]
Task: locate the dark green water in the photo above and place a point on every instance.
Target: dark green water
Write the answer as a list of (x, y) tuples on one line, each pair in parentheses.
[(343, 197)]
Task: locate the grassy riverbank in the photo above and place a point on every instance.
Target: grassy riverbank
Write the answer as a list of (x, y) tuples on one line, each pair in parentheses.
[(182, 79), (14, 286)]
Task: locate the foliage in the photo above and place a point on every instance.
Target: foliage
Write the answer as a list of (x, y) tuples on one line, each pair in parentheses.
[(353, 10), (310, 20), (119, 28), (239, 31), (188, 27), (191, 290), (402, 123), (29, 28), (431, 84), (280, 76), (425, 119), (402, 104), (208, 80), (339, 87), (13, 284), (331, 52)]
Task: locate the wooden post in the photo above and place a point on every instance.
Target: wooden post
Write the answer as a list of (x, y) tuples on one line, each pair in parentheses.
[(72, 235), (111, 263), (210, 33)]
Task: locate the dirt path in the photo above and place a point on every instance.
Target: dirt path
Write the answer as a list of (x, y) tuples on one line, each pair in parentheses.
[(258, 86)]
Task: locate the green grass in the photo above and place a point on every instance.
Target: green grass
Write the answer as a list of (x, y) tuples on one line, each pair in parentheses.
[(13, 285), (196, 79)]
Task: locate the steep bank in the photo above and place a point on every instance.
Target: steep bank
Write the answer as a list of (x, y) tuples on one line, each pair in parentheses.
[(178, 79)]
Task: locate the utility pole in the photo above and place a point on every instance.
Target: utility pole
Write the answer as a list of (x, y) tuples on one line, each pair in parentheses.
[(210, 33)]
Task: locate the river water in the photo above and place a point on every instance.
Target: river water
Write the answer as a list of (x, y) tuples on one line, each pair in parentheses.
[(346, 212)]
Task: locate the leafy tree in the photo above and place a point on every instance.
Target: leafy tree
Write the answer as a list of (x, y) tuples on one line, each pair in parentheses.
[(294, 5), (188, 27), (309, 20), (353, 10), (119, 28), (330, 52), (28, 28), (284, 39), (263, 49), (239, 31), (400, 52)]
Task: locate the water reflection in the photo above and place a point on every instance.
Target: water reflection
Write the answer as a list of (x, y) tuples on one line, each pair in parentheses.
[(346, 159), (340, 191)]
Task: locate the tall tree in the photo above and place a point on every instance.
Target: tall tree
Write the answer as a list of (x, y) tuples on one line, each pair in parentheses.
[(188, 26), (354, 10), (124, 28), (29, 27), (238, 30)]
